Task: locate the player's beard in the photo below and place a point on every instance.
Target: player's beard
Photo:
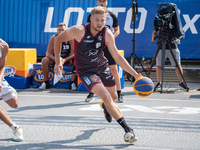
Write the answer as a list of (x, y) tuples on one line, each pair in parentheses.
[(95, 28)]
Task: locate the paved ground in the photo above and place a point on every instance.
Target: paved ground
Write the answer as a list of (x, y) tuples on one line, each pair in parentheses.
[(60, 119)]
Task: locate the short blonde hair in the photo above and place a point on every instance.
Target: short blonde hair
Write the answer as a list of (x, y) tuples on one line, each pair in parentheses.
[(61, 24), (99, 10)]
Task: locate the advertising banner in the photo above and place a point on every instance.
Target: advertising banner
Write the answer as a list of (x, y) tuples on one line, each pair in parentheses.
[(31, 23)]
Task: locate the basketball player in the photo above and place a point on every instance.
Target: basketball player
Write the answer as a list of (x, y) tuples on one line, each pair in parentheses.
[(8, 94), (92, 66), (67, 58), (112, 24)]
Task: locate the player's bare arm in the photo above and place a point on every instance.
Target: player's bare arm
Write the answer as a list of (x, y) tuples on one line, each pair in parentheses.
[(116, 31), (70, 57), (110, 40), (4, 52), (50, 48), (75, 32)]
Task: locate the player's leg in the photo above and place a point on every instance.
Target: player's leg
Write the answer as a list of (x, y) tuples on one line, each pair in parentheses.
[(12, 102), (9, 94), (5, 118), (115, 73), (10, 98), (101, 91), (113, 110), (46, 61), (113, 94), (114, 70)]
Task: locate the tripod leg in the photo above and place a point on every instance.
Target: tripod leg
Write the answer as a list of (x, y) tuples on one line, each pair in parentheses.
[(154, 59), (177, 65), (163, 62), (140, 63)]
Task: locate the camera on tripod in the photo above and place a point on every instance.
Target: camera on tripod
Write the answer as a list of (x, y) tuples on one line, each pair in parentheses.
[(168, 22), (163, 22)]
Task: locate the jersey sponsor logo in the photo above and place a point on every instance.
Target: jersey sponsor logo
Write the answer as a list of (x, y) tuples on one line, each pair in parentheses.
[(88, 36), (98, 45), (91, 52), (87, 81), (88, 41), (10, 71)]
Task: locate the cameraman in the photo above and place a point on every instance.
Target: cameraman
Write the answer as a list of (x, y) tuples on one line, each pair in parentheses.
[(176, 52)]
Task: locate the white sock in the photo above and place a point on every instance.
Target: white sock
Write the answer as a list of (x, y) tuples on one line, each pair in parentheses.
[(14, 125)]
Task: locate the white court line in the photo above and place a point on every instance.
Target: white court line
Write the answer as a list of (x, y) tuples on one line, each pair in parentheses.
[(144, 99)]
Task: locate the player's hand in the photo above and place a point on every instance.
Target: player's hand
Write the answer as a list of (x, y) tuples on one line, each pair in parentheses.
[(138, 76), (153, 40), (58, 68), (63, 61)]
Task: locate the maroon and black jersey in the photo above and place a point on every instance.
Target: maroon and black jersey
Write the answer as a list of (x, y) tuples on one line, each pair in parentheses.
[(89, 51)]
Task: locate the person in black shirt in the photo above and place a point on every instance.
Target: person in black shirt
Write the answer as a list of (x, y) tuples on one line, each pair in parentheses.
[(67, 58)]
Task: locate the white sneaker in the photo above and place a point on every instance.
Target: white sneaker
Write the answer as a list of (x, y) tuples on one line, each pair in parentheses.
[(130, 137), (73, 87), (44, 86), (18, 136)]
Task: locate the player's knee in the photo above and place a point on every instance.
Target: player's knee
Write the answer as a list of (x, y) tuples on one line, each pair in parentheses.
[(114, 70), (106, 98), (13, 103), (114, 97), (45, 60)]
